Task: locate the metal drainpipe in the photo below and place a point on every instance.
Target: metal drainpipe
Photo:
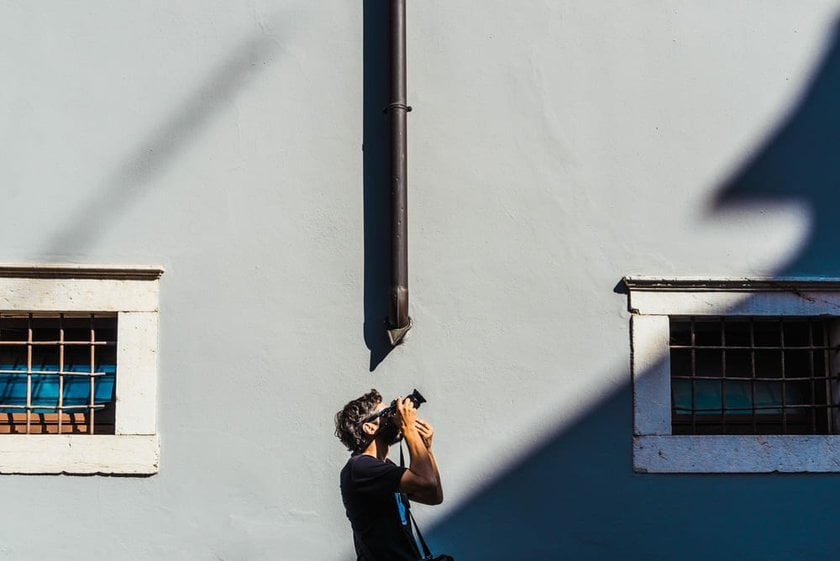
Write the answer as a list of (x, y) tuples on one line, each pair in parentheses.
[(398, 321)]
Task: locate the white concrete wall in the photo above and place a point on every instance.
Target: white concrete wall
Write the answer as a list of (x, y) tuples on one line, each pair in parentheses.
[(555, 146)]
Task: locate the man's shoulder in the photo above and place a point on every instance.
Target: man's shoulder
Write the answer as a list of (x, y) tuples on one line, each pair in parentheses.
[(362, 467), (366, 462)]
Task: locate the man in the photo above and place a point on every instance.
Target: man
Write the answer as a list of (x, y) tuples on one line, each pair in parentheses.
[(373, 488)]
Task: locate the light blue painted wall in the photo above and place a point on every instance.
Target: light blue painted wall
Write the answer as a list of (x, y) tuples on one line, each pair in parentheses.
[(555, 147)]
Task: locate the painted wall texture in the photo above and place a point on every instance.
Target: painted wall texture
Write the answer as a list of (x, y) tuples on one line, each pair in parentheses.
[(555, 147)]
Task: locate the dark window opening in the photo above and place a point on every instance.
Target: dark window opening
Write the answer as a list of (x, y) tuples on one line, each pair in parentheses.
[(753, 375)]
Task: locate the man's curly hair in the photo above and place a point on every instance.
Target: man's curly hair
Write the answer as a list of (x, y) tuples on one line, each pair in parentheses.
[(348, 421)]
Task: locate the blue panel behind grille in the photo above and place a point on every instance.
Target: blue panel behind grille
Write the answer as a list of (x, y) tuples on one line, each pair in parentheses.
[(45, 388)]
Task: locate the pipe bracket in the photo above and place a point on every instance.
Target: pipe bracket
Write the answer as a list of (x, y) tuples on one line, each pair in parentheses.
[(397, 105)]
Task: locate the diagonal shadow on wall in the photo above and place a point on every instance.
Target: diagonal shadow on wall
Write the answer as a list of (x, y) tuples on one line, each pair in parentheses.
[(800, 163), (136, 176), (576, 497)]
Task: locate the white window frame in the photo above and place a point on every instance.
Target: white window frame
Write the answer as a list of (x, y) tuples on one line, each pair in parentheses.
[(133, 294), (652, 301)]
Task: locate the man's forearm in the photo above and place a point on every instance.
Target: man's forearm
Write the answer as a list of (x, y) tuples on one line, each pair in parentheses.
[(422, 463), (421, 480), (437, 496)]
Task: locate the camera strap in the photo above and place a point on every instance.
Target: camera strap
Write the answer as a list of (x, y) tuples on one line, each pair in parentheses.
[(427, 554)]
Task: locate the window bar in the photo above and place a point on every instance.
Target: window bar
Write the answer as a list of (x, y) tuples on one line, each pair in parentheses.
[(60, 410), (813, 380), (782, 358), (91, 430), (826, 374), (722, 376), (752, 374), (815, 347), (28, 373), (693, 379), (829, 410)]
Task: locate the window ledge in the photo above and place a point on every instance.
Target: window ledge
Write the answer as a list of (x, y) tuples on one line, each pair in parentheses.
[(79, 272), (740, 284), (79, 454), (736, 454)]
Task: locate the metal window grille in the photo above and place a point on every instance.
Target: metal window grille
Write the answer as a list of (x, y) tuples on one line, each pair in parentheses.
[(736, 375), (57, 373)]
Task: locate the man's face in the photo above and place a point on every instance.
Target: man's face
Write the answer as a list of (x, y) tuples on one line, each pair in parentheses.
[(379, 407), (387, 431)]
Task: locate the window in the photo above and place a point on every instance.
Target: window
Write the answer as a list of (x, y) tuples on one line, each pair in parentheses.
[(57, 373), (735, 375), (753, 375), (78, 370)]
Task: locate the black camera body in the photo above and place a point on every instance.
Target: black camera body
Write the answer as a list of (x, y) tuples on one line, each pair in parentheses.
[(415, 397)]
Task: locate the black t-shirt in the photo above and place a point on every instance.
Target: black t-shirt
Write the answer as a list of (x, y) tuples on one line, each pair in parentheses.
[(376, 510)]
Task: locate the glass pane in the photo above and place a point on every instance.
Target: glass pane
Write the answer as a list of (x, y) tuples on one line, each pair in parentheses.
[(739, 398), (105, 359), (13, 358), (768, 395), (76, 390), (798, 364), (680, 333), (818, 333), (707, 397), (819, 363), (709, 362), (14, 329), (797, 393), (77, 358), (12, 391), (768, 364), (767, 333), (45, 329), (796, 333), (105, 329), (707, 332), (681, 362), (104, 389), (77, 329), (45, 358), (737, 332), (738, 364), (681, 396), (44, 393)]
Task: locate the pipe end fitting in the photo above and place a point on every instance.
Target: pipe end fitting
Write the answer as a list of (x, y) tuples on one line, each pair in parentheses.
[(397, 334)]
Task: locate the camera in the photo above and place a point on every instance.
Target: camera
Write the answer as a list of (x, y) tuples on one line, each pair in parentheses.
[(415, 397)]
